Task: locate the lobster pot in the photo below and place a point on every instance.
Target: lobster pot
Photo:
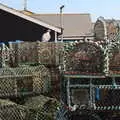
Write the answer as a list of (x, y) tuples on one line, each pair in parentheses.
[(42, 80), (99, 30), (23, 53), (35, 52), (10, 111), (41, 108), (50, 53), (24, 81), (7, 87), (83, 58), (8, 83), (115, 61), (106, 28), (38, 83), (55, 82)]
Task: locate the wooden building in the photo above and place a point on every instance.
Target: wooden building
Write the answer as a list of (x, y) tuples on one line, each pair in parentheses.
[(16, 25)]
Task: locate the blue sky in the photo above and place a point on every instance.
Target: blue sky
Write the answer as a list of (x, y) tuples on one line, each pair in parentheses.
[(105, 8)]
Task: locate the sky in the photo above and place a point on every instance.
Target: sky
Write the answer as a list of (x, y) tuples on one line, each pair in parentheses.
[(107, 8)]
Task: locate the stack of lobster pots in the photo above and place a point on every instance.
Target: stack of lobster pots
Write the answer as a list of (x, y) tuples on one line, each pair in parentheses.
[(46, 56), (50, 54)]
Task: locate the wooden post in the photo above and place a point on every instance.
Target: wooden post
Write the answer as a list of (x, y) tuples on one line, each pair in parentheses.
[(3, 55), (55, 36)]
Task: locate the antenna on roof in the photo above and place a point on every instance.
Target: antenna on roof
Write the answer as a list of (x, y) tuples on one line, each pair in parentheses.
[(25, 4)]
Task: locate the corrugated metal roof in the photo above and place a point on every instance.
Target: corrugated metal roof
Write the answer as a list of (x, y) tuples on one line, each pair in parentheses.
[(29, 18), (73, 24)]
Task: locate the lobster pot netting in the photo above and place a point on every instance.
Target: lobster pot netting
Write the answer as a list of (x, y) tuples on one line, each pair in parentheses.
[(35, 52), (106, 93), (30, 69), (11, 111), (80, 96), (83, 57), (108, 99), (41, 108), (34, 108), (115, 61), (24, 81), (50, 53)]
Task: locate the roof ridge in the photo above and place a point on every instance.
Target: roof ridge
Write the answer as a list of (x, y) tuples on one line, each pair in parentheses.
[(63, 13)]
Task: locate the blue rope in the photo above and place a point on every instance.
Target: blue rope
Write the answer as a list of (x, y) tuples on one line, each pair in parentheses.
[(97, 95)]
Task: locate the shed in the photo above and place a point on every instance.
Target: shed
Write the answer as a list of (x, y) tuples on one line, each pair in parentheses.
[(16, 25)]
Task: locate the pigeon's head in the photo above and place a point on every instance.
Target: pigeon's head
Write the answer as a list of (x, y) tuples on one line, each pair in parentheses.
[(48, 30)]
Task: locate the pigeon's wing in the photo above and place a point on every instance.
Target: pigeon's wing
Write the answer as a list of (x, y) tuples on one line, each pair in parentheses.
[(46, 37)]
